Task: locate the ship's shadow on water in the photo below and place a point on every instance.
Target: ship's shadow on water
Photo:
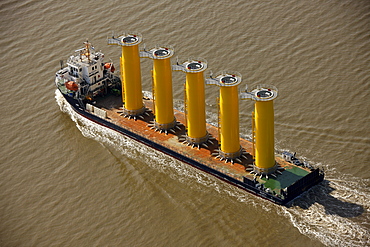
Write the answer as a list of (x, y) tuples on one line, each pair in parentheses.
[(321, 194)]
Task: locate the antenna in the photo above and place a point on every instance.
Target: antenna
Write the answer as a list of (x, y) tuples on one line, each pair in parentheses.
[(61, 64)]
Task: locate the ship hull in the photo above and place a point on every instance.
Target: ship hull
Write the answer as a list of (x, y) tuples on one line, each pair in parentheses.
[(296, 189)]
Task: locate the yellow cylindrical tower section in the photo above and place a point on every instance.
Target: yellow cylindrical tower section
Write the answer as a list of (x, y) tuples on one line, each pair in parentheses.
[(195, 103), (162, 76), (130, 61), (162, 87), (130, 73), (264, 143), (228, 114), (195, 108), (264, 134), (229, 119)]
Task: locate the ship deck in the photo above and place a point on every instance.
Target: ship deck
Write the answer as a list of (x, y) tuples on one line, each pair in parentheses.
[(237, 170)]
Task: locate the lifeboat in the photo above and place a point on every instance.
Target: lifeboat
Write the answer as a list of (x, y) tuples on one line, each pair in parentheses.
[(71, 85)]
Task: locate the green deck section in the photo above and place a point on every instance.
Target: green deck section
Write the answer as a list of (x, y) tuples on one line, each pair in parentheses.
[(288, 177)]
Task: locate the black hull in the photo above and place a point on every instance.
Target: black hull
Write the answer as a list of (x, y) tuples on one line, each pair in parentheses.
[(293, 191)]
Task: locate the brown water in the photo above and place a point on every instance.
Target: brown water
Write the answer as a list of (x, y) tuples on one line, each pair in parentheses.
[(58, 188)]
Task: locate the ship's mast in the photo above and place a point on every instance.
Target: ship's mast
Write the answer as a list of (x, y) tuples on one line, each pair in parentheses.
[(87, 50)]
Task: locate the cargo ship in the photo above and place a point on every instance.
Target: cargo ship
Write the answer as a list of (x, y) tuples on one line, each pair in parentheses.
[(90, 87)]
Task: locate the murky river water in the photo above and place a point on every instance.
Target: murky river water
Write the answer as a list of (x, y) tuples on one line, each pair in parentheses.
[(72, 183)]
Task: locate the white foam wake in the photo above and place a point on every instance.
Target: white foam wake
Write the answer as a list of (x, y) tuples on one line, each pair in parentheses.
[(335, 212)]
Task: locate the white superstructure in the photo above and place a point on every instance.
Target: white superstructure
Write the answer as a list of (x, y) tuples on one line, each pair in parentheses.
[(86, 74)]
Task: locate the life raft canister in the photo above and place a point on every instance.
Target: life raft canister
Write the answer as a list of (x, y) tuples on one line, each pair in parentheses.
[(71, 85)]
